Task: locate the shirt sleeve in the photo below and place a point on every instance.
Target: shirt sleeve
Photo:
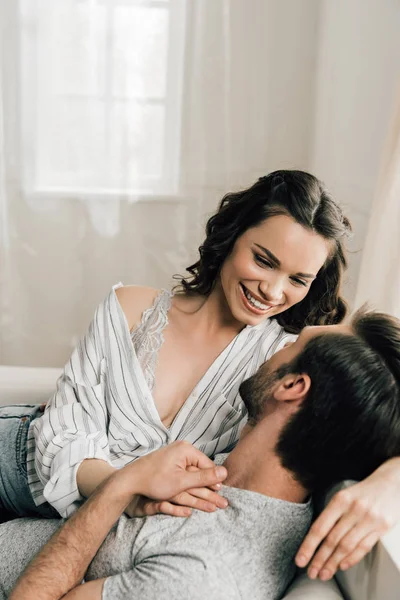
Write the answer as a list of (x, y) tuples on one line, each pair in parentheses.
[(74, 424), (286, 338), (280, 342)]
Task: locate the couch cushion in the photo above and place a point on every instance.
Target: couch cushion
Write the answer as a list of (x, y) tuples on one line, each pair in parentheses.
[(27, 385)]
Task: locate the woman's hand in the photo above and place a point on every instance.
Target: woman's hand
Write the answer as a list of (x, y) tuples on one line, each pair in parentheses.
[(173, 480), (205, 499), (354, 520)]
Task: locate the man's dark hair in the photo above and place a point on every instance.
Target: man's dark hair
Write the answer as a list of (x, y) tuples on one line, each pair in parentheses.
[(297, 194), (349, 423)]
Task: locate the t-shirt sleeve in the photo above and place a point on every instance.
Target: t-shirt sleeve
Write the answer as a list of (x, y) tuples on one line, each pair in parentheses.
[(74, 425), (173, 577)]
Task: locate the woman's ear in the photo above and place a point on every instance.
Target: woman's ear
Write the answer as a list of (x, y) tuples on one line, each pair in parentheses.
[(293, 387)]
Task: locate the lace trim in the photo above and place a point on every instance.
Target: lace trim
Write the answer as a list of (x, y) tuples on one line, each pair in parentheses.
[(147, 337)]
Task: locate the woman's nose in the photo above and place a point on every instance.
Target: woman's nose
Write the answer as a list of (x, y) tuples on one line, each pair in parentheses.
[(272, 290)]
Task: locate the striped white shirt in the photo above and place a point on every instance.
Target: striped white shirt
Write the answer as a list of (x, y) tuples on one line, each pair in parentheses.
[(103, 406)]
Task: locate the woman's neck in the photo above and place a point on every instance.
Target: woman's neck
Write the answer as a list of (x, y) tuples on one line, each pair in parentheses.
[(208, 314)]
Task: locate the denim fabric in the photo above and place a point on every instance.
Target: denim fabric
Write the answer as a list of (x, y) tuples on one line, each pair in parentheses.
[(15, 497)]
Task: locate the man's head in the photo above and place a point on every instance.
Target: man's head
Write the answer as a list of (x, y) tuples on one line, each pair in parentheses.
[(338, 391)]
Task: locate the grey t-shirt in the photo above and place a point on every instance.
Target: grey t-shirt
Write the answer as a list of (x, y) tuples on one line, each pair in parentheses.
[(244, 551)]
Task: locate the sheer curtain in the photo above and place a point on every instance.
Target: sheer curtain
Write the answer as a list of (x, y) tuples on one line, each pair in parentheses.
[(379, 282), (122, 124)]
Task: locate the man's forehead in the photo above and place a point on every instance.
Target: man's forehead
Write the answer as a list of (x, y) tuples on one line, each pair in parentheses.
[(310, 332)]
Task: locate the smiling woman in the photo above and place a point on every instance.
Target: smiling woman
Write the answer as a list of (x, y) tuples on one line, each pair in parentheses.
[(303, 247), (271, 280), (158, 366)]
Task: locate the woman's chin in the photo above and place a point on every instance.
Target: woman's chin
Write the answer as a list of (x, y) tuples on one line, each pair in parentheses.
[(248, 318)]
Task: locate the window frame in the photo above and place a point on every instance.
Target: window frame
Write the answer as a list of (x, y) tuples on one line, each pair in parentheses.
[(167, 189)]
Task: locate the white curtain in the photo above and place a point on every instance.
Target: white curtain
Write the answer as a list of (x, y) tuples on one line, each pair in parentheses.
[(123, 123), (379, 282)]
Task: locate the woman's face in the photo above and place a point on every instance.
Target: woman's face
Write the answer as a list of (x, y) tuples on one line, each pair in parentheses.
[(271, 268)]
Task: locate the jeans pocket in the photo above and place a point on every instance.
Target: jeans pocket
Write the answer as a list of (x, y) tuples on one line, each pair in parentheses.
[(20, 445)]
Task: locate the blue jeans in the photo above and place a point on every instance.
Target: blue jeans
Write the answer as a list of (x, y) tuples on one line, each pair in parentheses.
[(15, 496)]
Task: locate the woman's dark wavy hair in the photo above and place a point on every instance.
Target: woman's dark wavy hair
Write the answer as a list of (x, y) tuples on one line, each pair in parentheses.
[(301, 196)]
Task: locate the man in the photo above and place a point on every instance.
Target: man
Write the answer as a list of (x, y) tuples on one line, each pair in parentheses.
[(323, 409)]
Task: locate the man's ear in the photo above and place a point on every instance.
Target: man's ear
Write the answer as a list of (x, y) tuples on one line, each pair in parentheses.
[(293, 387)]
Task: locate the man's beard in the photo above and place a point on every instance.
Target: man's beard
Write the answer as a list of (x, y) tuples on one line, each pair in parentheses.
[(256, 392)]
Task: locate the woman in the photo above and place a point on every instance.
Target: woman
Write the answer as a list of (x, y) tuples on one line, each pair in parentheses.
[(159, 366)]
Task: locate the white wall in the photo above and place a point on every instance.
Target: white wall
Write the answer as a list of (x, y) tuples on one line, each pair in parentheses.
[(268, 84), (357, 75), (320, 86)]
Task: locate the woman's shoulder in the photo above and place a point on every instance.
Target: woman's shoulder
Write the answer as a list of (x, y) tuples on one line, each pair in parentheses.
[(283, 334), (134, 300)]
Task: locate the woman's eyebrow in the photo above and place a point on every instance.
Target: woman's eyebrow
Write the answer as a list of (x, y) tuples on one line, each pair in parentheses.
[(271, 256), (277, 262)]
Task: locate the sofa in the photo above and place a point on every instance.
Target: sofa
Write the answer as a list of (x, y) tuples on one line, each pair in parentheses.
[(377, 577)]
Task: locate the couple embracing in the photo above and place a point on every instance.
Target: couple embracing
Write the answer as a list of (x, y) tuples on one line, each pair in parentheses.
[(246, 362)]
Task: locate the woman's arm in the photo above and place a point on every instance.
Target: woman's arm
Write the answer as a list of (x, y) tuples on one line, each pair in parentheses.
[(91, 473), (92, 590), (354, 520), (74, 427), (133, 300)]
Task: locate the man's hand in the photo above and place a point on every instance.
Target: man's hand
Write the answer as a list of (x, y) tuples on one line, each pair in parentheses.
[(177, 474), (205, 499), (354, 520)]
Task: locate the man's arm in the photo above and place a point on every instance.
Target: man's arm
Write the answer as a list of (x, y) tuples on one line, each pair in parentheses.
[(62, 563)]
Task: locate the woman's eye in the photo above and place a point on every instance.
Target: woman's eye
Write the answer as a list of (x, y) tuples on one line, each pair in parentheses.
[(263, 261), (299, 281), (266, 263)]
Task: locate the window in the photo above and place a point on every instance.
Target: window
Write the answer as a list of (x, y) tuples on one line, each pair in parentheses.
[(102, 86)]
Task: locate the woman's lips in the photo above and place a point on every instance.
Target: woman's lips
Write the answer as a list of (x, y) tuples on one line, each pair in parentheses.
[(250, 306)]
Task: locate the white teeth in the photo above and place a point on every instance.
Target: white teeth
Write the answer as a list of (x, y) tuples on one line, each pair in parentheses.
[(255, 302)]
